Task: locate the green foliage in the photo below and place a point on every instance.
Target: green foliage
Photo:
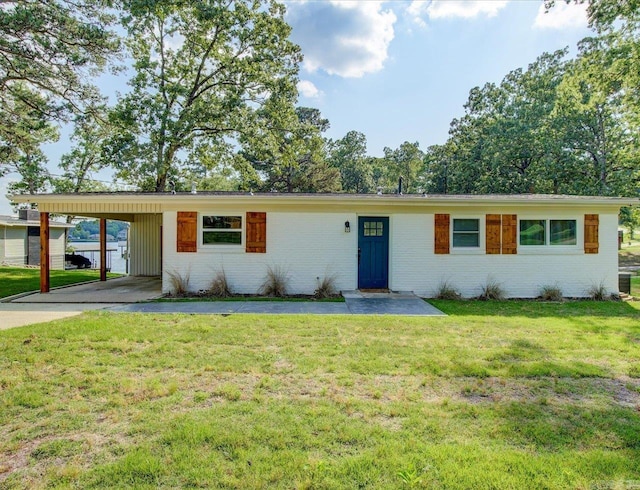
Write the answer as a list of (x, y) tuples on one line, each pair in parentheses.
[(406, 161), (561, 126), (85, 228), (87, 156), (205, 74), (349, 156), (47, 50), (292, 158)]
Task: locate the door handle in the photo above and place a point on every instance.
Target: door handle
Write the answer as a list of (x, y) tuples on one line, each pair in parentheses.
[(359, 254)]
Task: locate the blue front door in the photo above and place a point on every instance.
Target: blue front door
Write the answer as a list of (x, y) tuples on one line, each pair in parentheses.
[(373, 253)]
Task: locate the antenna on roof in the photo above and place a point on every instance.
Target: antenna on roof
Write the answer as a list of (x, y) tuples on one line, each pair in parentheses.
[(172, 186)]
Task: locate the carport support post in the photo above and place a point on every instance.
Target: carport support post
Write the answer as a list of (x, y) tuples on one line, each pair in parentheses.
[(44, 253), (103, 249)]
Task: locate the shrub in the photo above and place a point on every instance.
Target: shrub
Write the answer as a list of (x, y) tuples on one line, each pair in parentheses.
[(551, 293), (491, 291), (598, 292), (219, 287), (179, 283), (275, 282), (326, 287), (446, 290)]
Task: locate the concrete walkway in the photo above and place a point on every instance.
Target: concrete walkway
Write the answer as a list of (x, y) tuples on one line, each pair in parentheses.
[(355, 303), (38, 308)]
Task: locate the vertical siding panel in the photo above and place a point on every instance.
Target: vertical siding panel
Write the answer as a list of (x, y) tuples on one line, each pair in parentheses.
[(187, 234), (591, 232), (493, 233), (509, 234), (144, 245), (256, 234), (441, 237)]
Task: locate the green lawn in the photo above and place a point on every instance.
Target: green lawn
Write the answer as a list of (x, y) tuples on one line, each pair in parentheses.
[(496, 395), (15, 280)]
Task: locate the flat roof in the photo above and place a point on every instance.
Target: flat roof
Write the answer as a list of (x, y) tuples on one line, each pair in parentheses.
[(166, 197), (15, 221)]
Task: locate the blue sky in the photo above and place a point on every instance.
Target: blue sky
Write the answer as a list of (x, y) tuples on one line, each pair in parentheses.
[(401, 70)]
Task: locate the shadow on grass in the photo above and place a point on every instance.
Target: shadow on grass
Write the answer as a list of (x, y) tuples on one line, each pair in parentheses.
[(571, 426), (538, 309)]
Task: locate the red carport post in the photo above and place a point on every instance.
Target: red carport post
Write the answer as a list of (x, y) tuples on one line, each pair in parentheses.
[(44, 253), (103, 249)]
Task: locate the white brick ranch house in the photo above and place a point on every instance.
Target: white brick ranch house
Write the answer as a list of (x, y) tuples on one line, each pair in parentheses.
[(397, 242)]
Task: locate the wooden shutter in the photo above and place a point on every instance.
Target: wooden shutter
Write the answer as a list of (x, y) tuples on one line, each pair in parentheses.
[(493, 232), (187, 233), (441, 236), (591, 241), (256, 233), (509, 234)]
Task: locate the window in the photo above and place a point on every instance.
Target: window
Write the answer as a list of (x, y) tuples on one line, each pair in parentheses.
[(373, 228), (466, 232), (548, 232), (532, 231), (562, 232), (222, 230)]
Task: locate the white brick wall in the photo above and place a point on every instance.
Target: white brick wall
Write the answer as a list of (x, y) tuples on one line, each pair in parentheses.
[(314, 244), (414, 266), (306, 246)]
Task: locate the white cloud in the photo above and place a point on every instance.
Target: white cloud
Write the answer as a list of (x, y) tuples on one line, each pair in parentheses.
[(418, 10), (562, 16), (308, 89), (344, 38)]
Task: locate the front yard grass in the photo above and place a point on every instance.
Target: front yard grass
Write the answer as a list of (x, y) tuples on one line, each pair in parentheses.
[(16, 280), (496, 395)]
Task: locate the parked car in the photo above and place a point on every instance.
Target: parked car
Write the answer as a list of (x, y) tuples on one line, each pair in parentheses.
[(80, 261)]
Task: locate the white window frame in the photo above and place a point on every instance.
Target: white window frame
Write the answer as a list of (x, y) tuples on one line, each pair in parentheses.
[(228, 246), (547, 248), (480, 249)]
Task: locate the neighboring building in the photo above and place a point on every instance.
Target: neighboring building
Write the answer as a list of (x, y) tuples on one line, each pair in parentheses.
[(20, 240), (400, 242)]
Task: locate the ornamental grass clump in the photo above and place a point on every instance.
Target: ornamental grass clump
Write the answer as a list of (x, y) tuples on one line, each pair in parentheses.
[(275, 282), (492, 290), (219, 287), (179, 283), (326, 287), (446, 290), (551, 293), (599, 292)]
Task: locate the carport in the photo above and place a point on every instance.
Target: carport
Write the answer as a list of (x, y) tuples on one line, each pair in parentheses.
[(145, 235)]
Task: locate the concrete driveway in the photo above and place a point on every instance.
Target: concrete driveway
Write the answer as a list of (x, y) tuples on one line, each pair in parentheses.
[(73, 300), (20, 314), (128, 289)]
